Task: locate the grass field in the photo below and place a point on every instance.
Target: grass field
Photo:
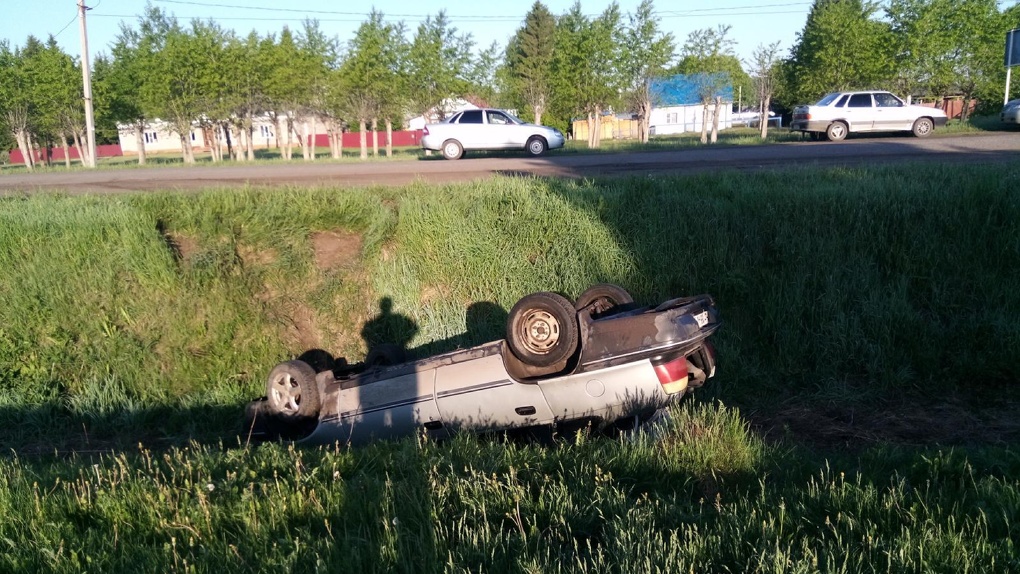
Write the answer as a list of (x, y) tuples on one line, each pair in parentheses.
[(863, 419)]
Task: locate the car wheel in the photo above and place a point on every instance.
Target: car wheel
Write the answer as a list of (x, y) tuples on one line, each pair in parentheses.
[(836, 132), (385, 354), (536, 146), (542, 329), (452, 149), (291, 390), (923, 127), (603, 297)]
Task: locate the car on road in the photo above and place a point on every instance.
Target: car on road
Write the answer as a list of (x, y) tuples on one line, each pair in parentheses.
[(1011, 112), (488, 129), (841, 113), (602, 361)]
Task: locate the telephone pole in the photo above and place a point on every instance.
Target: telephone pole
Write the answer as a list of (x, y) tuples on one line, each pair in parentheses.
[(90, 123)]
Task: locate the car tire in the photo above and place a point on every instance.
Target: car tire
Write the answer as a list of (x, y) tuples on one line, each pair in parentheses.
[(385, 354), (291, 390), (836, 131), (536, 146), (922, 127), (602, 297), (452, 149), (542, 329)]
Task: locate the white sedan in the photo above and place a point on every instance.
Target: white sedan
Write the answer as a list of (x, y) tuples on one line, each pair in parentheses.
[(488, 129)]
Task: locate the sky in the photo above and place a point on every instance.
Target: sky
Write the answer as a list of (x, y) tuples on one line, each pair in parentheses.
[(752, 22)]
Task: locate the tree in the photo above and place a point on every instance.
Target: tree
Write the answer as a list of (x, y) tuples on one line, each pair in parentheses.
[(923, 45), (437, 63), (15, 99), (368, 75), (977, 68), (293, 72), (647, 52), (529, 59), (765, 74), (586, 65), (707, 57), (119, 83), (841, 47)]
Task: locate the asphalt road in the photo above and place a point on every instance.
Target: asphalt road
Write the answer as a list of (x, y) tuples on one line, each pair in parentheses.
[(951, 149)]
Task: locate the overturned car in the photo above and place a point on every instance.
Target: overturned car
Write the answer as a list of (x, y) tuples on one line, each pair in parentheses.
[(602, 361)]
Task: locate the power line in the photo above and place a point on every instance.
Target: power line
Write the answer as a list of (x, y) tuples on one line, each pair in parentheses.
[(494, 18)]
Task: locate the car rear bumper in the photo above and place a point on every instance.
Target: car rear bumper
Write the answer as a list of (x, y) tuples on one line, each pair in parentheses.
[(940, 122), (431, 142), (809, 126)]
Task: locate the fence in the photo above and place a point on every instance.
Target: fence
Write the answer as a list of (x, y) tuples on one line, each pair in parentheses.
[(57, 153)]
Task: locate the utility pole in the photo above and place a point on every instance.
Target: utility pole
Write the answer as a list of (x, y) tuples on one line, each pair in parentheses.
[(90, 123)]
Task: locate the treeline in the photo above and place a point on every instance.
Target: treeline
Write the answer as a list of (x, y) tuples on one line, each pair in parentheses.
[(553, 69)]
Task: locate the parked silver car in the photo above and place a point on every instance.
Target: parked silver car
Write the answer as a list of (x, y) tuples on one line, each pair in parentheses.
[(841, 113), (1011, 112), (600, 361), (488, 129)]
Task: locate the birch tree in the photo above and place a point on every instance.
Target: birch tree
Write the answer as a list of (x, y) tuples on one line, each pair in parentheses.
[(647, 52), (765, 74)]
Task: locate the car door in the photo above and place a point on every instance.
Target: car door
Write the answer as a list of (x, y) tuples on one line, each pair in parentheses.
[(504, 132), (395, 403), (891, 114), (480, 395), (471, 130), (860, 112)]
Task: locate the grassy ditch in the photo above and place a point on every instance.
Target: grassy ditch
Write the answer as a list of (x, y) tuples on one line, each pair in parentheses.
[(868, 364)]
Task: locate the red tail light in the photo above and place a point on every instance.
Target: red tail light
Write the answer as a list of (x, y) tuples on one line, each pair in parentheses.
[(425, 131), (672, 374)]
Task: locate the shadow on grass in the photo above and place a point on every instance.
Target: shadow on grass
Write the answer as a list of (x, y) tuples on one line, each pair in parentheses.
[(50, 429)]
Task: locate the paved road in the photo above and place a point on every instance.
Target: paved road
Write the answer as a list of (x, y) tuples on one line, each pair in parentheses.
[(975, 148)]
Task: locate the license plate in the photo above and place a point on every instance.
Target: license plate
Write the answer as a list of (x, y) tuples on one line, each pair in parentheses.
[(702, 318)]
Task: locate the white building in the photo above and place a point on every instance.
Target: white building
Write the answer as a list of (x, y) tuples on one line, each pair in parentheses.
[(159, 136), (677, 107)]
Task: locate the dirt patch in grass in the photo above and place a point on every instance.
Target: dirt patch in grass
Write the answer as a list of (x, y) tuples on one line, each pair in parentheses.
[(251, 256), (337, 249), (182, 247), (954, 420)]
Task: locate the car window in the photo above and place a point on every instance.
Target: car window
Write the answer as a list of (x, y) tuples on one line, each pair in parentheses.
[(860, 101), (884, 100), (498, 118), (452, 119), (471, 117), (842, 101), (827, 99)]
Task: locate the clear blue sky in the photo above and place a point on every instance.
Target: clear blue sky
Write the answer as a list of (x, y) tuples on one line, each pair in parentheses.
[(752, 22)]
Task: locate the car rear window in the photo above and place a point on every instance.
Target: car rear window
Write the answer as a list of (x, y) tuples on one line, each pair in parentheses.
[(860, 101), (471, 117)]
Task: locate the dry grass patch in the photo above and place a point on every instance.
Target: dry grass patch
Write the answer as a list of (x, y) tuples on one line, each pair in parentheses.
[(337, 249)]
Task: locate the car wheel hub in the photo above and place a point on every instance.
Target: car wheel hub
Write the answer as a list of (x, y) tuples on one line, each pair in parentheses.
[(541, 331), (286, 394)]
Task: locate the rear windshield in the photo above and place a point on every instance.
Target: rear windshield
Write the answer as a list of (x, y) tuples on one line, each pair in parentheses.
[(828, 99)]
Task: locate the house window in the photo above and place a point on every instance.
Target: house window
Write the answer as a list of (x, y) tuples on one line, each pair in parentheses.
[(266, 131), (672, 118), (150, 137), (192, 135)]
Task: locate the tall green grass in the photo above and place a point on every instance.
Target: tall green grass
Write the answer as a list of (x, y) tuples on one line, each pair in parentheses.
[(134, 328), (720, 500)]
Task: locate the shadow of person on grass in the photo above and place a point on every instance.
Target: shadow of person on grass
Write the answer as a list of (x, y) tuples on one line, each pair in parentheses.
[(388, 335)]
